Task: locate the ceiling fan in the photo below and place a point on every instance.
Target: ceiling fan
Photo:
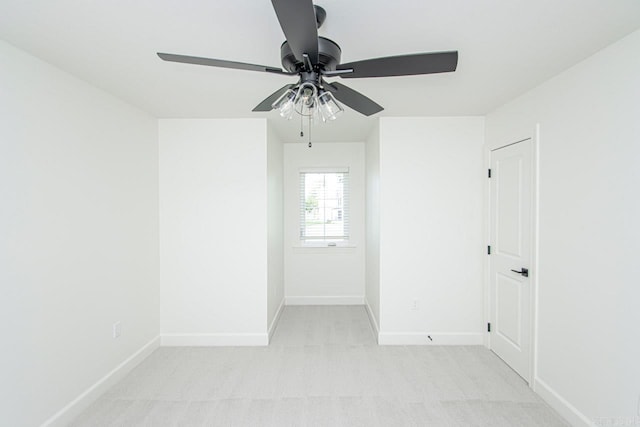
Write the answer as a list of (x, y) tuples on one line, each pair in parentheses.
[(314, 58)]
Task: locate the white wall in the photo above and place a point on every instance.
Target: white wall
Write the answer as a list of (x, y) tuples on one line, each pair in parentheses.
[(275, 227), (372, 252), (78, 236), (324, 275), (431, 247), (213, 231), (589, 234)]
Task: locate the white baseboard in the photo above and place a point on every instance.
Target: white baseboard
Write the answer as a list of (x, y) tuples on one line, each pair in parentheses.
[(569, 412), (276, 319), (65, 415), (422, 338), (330, 300), (214, 340), (372, 320)]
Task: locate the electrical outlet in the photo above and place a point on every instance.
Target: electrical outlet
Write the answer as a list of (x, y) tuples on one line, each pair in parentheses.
[(117, 329), (414, 305)]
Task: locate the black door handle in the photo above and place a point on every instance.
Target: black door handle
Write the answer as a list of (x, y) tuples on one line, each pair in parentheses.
[(524, 272)]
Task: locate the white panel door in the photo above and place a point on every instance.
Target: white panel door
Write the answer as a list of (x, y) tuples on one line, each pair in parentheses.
[(510, 258)]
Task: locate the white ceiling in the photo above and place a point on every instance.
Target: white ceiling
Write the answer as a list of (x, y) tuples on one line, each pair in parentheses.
[(506, 47)]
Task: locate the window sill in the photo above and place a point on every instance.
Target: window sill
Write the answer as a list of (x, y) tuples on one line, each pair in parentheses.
[(324, 248), (329, 245)]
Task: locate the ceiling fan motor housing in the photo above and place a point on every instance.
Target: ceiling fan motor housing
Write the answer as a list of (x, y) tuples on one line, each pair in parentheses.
[(328, 56)]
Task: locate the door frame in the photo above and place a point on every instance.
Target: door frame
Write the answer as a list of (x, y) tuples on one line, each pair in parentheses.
[(509, 139)]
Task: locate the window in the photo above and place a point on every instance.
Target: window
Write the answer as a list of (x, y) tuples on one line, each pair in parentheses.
[(324, 205)]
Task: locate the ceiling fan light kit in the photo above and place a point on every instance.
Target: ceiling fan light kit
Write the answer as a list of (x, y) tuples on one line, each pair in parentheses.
[(308, 101), (314, 59)]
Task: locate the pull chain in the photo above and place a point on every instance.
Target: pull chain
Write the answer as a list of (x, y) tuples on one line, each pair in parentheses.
[(301, 132), (309, 131)]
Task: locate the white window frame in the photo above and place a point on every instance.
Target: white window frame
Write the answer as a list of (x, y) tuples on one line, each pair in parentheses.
[(323, 241)]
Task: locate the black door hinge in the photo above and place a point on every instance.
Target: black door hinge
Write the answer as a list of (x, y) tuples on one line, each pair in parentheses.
[(489, 174), (488, 250), (488, 327)]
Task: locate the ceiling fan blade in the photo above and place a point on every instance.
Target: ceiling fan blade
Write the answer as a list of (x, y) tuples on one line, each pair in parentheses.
[(298, 21), (220, 63), (353, 99), (266, 104), (403, 65)]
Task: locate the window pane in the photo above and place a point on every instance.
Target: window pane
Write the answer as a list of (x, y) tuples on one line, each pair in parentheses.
[(323, 206)]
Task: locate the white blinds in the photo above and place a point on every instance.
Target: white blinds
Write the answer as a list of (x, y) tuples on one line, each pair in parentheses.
[(324, 204)]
